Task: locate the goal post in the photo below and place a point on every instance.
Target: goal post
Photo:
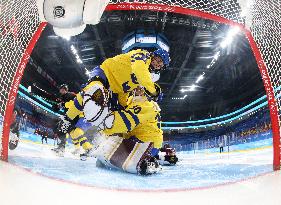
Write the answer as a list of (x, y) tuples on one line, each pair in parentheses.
[(14, 90), (258, 19)]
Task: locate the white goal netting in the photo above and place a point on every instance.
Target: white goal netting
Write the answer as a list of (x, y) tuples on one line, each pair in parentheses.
[(19, 21)]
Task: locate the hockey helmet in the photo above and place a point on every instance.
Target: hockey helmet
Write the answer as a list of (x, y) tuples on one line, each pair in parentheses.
[(64, 86), (164, 55)]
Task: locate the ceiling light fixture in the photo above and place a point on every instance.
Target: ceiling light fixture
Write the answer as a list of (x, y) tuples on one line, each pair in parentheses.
[(200, 77), (75, 52), (229, 37), (192, 87)]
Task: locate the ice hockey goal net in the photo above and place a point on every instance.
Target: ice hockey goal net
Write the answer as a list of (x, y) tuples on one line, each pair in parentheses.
[(260, 19)]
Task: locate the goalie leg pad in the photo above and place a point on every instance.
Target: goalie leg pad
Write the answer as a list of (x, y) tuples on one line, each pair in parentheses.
[(124, 154)]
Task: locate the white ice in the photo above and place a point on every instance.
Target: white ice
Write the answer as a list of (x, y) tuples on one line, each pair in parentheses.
[(18, 186), (203, 169)]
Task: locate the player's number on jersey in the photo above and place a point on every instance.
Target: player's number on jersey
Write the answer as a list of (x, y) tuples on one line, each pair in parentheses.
[(126, 87), (136, 109)]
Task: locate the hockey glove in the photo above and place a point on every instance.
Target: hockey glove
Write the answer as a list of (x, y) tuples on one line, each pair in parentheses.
[(171, 159), (65, 124), (158, 96)]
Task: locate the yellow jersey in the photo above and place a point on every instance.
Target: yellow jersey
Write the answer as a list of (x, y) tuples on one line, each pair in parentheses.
[(140, 119), (149, 131), (127, 71)]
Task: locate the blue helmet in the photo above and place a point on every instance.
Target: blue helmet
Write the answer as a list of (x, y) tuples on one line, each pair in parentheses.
[(164, 55)]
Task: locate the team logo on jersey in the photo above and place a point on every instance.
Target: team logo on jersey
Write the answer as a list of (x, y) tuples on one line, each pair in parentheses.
[(59, 12)]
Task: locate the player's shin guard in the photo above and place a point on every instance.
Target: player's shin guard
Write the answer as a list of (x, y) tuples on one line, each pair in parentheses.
[(77, 136)]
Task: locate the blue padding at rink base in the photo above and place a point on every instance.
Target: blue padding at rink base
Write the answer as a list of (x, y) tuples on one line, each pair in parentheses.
[(248, 142)]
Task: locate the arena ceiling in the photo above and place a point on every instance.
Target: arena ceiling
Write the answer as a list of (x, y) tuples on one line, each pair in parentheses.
[(231, 82)]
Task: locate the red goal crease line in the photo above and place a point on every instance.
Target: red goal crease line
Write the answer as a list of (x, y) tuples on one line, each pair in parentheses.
[(164, 8)]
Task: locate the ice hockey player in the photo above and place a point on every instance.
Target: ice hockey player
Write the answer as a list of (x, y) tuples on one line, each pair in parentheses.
[(14, 131), (77, 127), (121, 74), (138, 124), (64, 97)]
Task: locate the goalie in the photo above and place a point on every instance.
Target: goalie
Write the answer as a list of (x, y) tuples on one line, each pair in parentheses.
[(14, 131), (120, 74), (139, 140)]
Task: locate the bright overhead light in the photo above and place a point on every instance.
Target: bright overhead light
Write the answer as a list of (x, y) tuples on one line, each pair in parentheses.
[(192, 87), (182, 98), (73, 49), (230, 35), (184, 90), (217, 55), (201, 77), (75, 52), (234, 30), (87, 72), (224, 44)]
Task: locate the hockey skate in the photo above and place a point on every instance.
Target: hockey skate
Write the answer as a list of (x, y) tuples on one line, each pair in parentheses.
[(148, 167), (14, 139), (59, 151), (87, 153)]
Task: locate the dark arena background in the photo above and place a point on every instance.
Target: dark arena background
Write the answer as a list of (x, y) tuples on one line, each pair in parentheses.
[(220, 110)]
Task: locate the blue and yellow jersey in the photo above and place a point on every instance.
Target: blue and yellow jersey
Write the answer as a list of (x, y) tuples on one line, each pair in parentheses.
[(149, 131), (127, 71), (139, 119), (75, 107)]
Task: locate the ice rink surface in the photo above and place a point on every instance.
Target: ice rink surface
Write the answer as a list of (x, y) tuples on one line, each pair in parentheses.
[(206, 177), (192, 171)]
